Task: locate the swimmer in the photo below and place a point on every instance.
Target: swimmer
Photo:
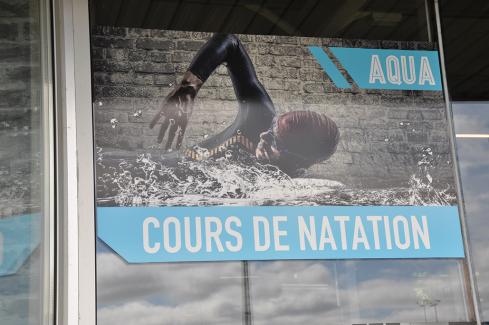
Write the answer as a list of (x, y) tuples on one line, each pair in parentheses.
[(291, 141)]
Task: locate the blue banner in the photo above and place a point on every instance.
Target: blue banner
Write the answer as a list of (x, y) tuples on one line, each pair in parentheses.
[(329, 67), (382, 68), (19, 236), (178, 234)]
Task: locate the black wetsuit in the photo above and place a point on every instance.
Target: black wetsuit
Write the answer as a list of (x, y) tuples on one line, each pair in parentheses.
[(256, 110)]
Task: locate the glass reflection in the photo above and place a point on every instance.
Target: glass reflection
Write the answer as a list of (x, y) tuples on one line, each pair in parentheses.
[(281, 292), (21, 163), (471, 118), (473, 156), (167, 293), (353, 292)]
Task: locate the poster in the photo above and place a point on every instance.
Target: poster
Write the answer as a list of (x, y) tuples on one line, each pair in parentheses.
[(219, 147)]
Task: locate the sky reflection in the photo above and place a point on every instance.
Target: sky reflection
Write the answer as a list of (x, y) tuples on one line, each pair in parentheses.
[(473, 157)]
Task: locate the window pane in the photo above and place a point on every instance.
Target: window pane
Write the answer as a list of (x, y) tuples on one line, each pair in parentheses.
[(472, 127), (22, 163), (139, 53), (471, 118)]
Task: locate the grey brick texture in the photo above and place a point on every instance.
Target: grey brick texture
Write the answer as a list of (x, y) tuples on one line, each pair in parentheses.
[(382, 132), (19, 108)]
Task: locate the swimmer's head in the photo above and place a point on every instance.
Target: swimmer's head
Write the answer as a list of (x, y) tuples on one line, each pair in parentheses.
[(298, 140)]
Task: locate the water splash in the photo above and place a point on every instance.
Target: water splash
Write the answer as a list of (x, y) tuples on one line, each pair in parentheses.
[(20, 187), (148, 182), (145, 181), (421, 189), (114, 123)]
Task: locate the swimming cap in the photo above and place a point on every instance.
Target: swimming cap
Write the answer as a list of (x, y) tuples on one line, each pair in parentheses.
[(309, 135)]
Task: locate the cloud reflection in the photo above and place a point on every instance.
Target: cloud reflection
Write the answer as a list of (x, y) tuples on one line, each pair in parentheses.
[(473, 158), (282, 292)]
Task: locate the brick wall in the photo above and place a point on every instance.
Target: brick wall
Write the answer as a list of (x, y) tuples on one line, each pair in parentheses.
[(382, 132), (19, 108)]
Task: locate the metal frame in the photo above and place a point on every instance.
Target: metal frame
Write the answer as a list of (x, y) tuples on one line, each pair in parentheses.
[(75, 298), (48, 258), (467, 263)]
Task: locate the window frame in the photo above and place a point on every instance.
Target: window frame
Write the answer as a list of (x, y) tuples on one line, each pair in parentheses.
[(76, 281)]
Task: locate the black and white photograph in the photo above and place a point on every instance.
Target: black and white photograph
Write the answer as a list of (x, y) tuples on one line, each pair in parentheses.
[(190, 118)]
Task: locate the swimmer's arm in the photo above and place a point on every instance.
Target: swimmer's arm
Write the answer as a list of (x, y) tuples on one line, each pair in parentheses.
[(176, 110)]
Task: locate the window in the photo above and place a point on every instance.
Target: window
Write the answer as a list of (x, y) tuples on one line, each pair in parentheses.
[(472, 127), (26, 181), (141, 50)]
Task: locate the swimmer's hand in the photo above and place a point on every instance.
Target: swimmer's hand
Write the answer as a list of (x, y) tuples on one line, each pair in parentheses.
[(176, 110), (266, 151)]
